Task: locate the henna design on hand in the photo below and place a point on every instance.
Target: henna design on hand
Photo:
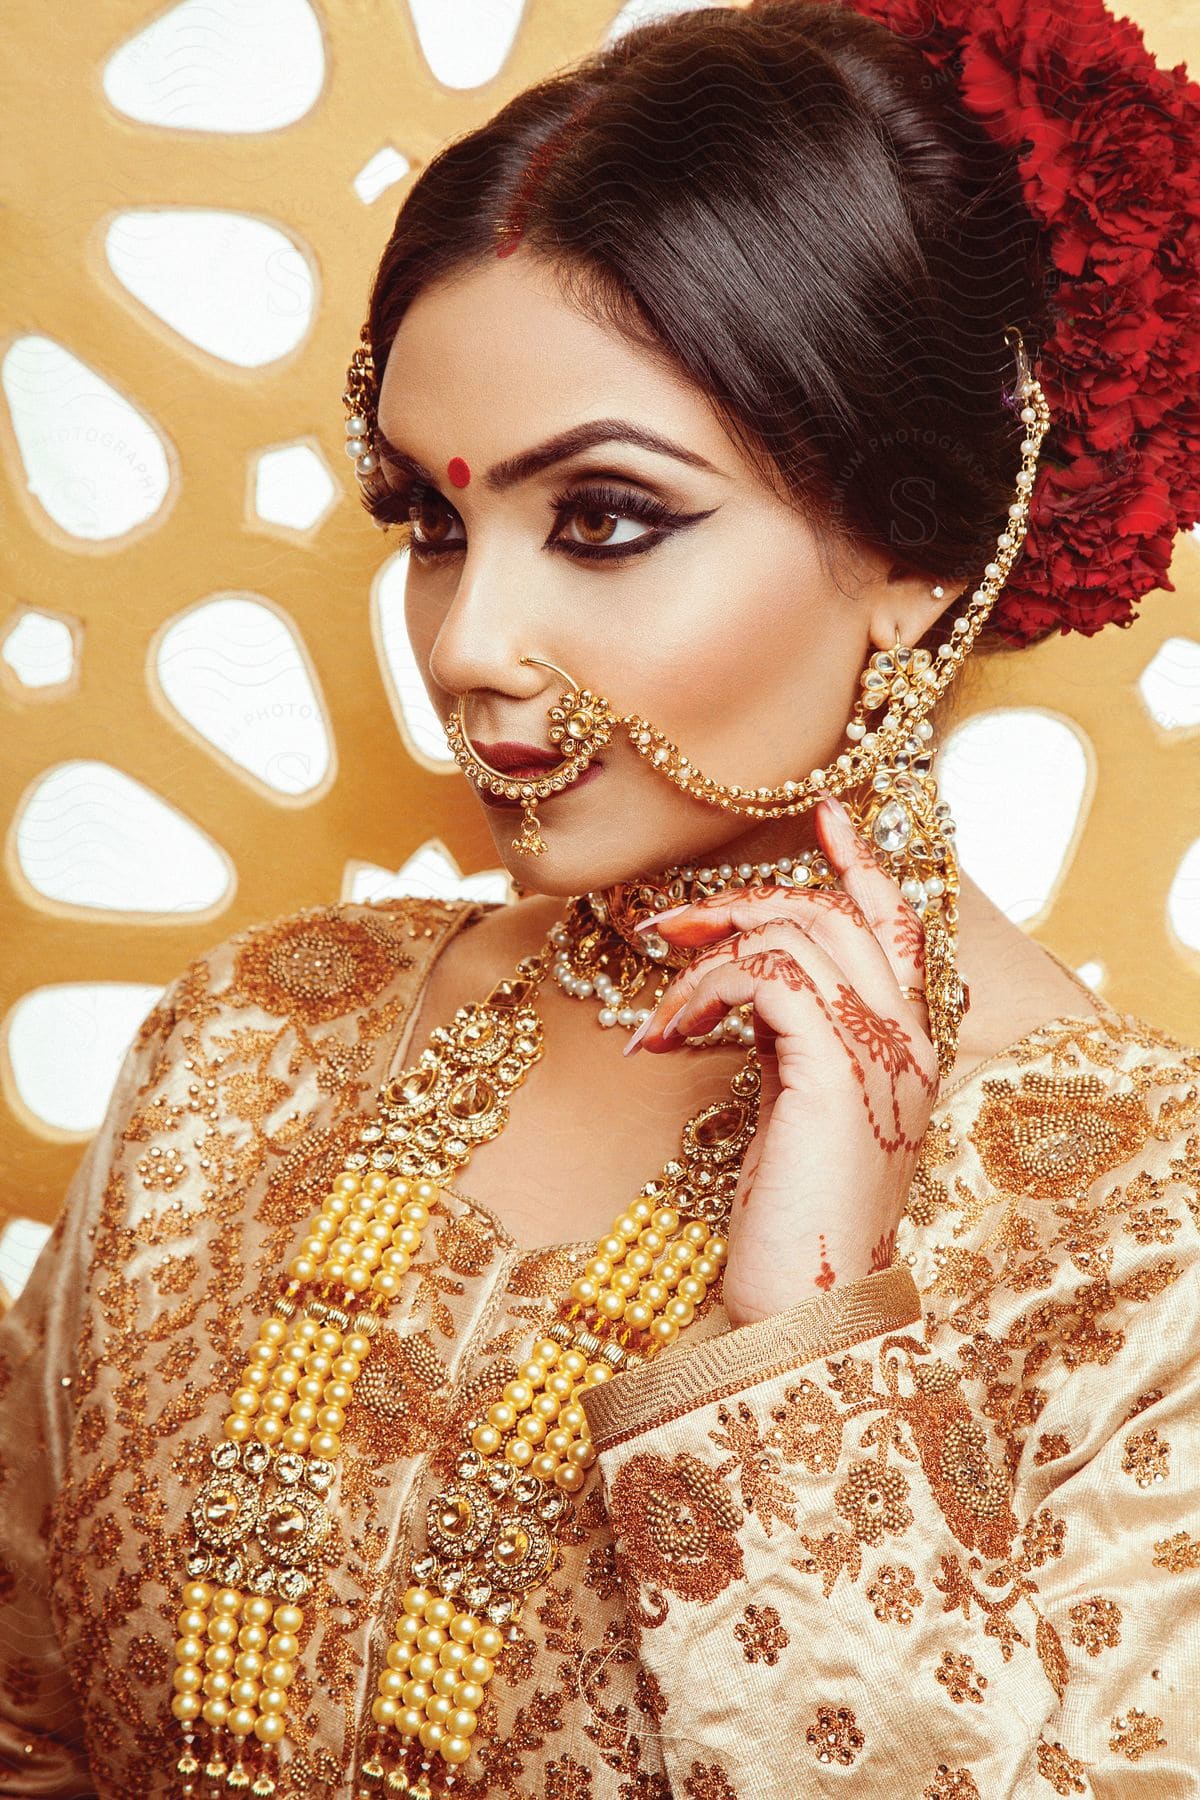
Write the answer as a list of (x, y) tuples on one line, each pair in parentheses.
[(884, 1039), (825, 1277), (749, 1169), (779, 965), (910, 936)]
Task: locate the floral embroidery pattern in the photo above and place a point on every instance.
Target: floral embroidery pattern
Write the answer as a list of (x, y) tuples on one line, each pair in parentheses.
[(927, 1196), (1153, 1225), (567, 1780), (894, 1594), (1147, 1457), (675, 1526), (808, 1428), (316, 966), (400, 1399), (1053, 1135), (708, 1781), (764, 1488), (928, 1423), (1178, 1554), (951, 1784), (1063, 1772), (1044, 1538), (958, 1676), (872, 1499), (834, 1736), (761, 1634), (1136, 1733), (1041, 1143), (1096, 1625)]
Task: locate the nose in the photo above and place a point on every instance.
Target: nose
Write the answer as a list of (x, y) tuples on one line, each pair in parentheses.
[(491, 651)]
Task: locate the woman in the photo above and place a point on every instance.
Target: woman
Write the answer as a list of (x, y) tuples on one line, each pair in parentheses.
[(807, 1396)]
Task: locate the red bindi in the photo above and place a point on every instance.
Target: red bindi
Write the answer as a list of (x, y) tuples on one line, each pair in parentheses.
[(458, 471)]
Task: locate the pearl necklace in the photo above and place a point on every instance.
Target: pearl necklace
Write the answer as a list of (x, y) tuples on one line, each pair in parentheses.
[(577, 949)]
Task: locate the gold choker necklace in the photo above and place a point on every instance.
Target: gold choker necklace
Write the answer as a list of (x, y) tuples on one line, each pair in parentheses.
[(600, 956), (260, 1518)]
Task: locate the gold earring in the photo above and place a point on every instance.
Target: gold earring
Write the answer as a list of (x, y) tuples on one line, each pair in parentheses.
[(901, 817)]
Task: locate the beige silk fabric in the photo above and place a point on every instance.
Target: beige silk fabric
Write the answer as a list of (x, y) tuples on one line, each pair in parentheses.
[(932, 1534)]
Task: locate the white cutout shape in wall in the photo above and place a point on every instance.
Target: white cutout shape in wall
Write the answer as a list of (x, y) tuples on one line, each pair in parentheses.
[(1014, 779), (93, 461), (420, 727), (643, 12), (234, 286), (383, 171), (39, 650), (465, 42), (66, 1044), (21, 1243), (1183, 898), (89, 835), (430, 872), (220, 65), (1170, 684), (293, 487), (233, 669)]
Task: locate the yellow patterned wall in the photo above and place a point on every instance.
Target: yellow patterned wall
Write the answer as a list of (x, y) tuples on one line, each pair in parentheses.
[(72, 162)]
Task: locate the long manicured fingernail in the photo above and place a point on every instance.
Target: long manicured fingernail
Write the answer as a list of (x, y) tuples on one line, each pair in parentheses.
[(638, 1035), (657, 918), (843, 824)]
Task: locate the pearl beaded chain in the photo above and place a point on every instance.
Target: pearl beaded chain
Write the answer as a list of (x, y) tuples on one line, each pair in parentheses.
[(613, 1008)]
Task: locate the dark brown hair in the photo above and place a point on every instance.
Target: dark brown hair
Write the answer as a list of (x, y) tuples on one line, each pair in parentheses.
[(788, 205)]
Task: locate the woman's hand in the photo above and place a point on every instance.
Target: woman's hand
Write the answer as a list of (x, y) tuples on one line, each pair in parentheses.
[(849, 1072)]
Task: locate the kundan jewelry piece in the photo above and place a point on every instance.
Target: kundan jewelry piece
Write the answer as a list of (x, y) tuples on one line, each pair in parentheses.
[(261, 1516)]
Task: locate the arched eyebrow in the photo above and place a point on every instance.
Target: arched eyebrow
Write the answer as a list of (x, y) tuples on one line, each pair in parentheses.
[(512, 470)]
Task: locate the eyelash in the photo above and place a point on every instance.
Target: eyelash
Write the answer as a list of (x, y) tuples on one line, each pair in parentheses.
[(622, 503)]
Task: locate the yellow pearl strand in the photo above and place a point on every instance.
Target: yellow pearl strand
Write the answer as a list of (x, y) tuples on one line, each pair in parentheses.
[(650, 1274), (642, 1286), (240, 1651), (237, 1653)]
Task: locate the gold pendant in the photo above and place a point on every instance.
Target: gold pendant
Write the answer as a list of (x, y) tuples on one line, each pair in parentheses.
[(531, 839)]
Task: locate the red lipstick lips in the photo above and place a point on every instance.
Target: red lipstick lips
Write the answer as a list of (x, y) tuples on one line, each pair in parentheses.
[(525, 761), (513, 758)]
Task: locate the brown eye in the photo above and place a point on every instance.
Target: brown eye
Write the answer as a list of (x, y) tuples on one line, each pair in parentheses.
[(431, 519), (594, 526)]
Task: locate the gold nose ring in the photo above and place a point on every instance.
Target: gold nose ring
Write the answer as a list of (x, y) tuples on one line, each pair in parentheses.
[(580, 723)]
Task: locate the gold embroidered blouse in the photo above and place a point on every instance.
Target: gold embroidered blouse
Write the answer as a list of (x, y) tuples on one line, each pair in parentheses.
[(935, 1533)]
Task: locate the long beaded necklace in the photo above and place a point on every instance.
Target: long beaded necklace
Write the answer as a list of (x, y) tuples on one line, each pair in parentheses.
[(260, 1518)]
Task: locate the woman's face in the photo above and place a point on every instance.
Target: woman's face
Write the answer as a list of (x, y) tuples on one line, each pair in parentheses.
[(672, 579)]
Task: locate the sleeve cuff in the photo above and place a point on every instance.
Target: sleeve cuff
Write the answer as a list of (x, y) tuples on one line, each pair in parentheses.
[(657, 1391)]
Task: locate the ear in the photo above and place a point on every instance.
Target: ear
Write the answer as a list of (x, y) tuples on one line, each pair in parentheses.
[(908, 602)]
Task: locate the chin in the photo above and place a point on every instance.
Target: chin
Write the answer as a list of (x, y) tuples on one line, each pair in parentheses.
[(560, 873)]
